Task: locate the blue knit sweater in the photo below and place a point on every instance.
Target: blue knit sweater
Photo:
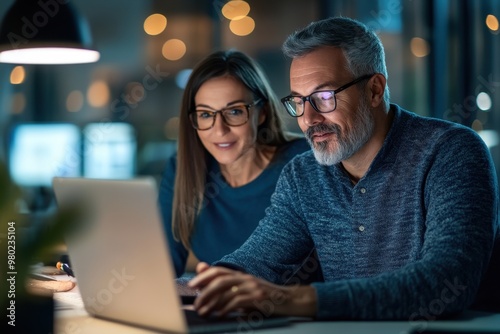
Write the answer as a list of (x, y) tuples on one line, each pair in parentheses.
[(411, 240)]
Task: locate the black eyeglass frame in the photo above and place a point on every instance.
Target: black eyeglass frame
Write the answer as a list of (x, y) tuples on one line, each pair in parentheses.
[(215, 112), (287, 99)]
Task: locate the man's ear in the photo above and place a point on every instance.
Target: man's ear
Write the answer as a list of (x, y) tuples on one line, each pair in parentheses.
[(377, 87)]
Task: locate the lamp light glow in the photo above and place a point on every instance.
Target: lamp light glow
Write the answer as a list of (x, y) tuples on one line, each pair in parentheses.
[(45, 32), (49, 56)]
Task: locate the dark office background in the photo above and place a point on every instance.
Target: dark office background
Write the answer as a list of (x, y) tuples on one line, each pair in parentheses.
[(442, 58)]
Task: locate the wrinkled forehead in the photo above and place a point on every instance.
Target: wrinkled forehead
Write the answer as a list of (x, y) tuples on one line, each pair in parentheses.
[(326, 65)]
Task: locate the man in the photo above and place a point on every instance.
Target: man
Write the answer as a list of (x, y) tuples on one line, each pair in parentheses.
[(400, 209)]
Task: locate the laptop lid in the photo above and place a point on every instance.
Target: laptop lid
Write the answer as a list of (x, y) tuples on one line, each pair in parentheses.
[(119, 253), (120, 258)]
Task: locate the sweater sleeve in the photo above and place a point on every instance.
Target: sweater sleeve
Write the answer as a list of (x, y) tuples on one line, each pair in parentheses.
[(460, 197), (277, 248), (178, 252)]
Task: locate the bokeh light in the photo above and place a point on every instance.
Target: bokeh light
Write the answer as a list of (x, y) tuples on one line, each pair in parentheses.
[(182, 78), (242, 27), (492, 22), (419, 47), (18, 103), (173, 49), (490, 137), (98, 94), (236, 9), (172, 128), (155, 24), (17, 75), (477, 125), (483, 101), (74, 101)]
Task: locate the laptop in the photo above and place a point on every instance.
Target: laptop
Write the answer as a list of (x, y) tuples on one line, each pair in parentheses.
[(121, 260)]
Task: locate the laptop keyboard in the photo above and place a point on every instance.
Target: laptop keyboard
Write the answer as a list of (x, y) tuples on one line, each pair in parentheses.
[(193, 318)]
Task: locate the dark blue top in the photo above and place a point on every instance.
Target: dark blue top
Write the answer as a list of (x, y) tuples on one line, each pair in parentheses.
[(229, 215)]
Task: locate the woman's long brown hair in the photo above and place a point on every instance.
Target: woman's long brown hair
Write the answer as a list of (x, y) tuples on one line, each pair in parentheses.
[(192, 156)]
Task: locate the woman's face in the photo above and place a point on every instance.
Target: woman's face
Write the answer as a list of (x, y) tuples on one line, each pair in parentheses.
[(228, 144)]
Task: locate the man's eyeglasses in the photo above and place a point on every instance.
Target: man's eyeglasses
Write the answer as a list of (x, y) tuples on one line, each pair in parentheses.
[(233, 116), (323, 101)]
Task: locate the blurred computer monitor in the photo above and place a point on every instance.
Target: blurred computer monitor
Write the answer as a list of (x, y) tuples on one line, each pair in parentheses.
[(109, 150), (38, 152)]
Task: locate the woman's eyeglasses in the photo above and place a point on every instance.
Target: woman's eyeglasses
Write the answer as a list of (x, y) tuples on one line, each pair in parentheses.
[(233, 116)]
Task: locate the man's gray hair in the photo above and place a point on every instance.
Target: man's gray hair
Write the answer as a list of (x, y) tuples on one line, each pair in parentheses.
[(362, 48)]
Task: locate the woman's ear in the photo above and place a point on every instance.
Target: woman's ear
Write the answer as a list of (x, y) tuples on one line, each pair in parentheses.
[(377, 88)]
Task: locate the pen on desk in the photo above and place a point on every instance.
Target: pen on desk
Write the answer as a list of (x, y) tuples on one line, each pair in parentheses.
[(64, 267)]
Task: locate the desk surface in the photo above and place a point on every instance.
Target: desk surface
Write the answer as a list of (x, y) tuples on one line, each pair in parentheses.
[(77, 321), (71, 318)]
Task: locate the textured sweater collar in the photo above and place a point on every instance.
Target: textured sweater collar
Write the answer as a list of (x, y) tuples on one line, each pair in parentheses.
[(388, 153)]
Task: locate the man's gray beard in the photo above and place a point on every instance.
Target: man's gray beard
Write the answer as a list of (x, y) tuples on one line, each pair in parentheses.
[(347, 143)]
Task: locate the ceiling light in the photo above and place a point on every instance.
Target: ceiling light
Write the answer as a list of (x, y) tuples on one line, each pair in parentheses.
[(45, 32)]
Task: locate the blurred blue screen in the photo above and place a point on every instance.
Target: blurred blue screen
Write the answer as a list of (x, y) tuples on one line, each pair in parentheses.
[(38, 152), (109, 150)]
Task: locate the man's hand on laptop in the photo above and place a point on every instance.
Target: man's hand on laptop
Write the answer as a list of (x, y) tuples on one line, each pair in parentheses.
[(224, 290)]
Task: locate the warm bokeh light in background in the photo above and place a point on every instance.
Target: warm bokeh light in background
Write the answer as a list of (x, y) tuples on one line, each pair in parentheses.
[(74, 101), (235, 10), (155, 24), (17, 75), (98, 94), (172, 128), (477, 125), (18, 103), (242, 27), (419, 47), (492, 22), (173, 49)]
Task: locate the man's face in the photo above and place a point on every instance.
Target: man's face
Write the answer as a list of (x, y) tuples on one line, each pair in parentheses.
[(337, 135)]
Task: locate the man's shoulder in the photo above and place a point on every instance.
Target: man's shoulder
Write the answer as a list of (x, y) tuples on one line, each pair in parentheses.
[(431, 129), (431, 122)]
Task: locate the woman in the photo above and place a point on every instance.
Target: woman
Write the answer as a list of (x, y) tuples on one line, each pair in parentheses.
[(231, 150)]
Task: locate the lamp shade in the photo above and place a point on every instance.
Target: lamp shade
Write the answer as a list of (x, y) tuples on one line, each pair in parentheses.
[(45, 32)]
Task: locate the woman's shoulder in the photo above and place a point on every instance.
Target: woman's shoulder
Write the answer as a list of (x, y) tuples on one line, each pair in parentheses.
[(297, 145), (293, 147), (170, 166)]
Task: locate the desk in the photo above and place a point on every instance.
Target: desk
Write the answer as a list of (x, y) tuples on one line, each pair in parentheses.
[(75, 320)]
